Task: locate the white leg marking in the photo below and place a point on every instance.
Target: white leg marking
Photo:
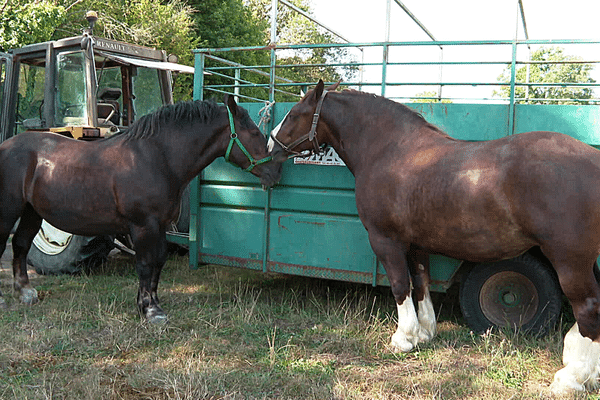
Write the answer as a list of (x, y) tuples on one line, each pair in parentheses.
[(407, 335), (580, 357), (28, 296), (427, 320)]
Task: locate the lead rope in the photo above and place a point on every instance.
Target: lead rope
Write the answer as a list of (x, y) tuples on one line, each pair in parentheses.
[(265, 114)]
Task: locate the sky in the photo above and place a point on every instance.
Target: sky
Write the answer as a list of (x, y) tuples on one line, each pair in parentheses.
[(365, 21)]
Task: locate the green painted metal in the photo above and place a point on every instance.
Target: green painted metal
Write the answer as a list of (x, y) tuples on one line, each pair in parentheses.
[(308, 224)]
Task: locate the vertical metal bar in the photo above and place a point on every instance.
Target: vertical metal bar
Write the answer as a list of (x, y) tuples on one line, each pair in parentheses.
[(91, 83), (50, 87), (199, 76), (522, 13), (236, 87), (386, 48), (441, 74), (267, 216), (195, 232), (513, 77), (375, 269), (361, 69), (384, 69), (194, 239), (274, 4)]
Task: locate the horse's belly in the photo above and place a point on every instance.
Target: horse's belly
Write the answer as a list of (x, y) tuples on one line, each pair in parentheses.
[(476, 246), (76, 208), (474, 229)]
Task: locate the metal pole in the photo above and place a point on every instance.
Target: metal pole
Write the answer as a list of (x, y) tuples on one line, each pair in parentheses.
[(386, 47), (411, 15), (440, 74), (236, 87), (267, 216), (195, 233), (511, 107), (522, 10)]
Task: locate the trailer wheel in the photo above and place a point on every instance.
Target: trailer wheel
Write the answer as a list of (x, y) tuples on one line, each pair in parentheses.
[(56, 252), (522, 293)]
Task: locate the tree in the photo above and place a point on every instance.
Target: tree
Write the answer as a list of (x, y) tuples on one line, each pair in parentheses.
[(294, 28), (545, 70), (27, 23), (165, 25)]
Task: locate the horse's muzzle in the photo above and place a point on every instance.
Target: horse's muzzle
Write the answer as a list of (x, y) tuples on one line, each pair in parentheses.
[(269, 173)]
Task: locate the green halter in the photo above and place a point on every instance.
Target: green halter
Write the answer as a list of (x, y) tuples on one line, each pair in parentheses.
[(234, 139)]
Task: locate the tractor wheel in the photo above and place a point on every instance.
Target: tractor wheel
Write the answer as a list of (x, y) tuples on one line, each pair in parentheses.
[(56, 252)]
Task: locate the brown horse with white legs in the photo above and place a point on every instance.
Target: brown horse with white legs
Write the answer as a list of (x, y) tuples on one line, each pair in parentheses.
[(130, 183), (420, 191)]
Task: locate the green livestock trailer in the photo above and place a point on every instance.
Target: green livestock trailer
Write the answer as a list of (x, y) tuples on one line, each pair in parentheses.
[(308, 224)]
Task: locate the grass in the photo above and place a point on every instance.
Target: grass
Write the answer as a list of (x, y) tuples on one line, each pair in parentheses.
[(239, 334)]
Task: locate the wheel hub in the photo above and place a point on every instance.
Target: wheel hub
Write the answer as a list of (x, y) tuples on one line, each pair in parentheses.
[(509, 298)]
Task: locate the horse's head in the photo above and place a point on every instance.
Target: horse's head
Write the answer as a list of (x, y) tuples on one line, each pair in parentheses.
[(300, 129), (247, 146)]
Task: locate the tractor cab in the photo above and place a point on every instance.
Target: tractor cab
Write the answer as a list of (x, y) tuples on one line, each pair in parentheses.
[(83, 87)]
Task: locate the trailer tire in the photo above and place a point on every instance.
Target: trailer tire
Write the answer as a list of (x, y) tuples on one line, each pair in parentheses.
[(522, 293), (54, 252)]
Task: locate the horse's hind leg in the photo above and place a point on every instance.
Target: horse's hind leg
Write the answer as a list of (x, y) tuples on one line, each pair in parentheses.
[(28, 227), (150, 245), (581, 351), (6, 224)]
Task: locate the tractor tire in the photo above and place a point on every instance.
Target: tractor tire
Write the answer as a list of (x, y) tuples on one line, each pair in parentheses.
[(55, 252)]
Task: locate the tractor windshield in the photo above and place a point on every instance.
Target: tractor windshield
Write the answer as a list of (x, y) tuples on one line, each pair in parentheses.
[(70, 100)]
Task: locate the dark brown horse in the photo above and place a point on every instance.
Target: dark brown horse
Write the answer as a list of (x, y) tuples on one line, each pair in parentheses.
[(420, 191), (130, 183)]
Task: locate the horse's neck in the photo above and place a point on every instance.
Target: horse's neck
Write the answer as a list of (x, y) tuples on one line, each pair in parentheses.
[(361, 137), (190, 152)]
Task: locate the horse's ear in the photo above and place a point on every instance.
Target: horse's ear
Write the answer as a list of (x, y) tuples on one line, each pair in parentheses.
[(230, 103), (319, 89), (334, 86)]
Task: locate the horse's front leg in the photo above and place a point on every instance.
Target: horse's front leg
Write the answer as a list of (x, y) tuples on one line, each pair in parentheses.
[(418, 263), (393, 256), (150, 245), (28, 227)]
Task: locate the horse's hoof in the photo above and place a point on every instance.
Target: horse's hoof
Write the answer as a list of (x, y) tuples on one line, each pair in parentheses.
[(29, 296), (425, 335), (401, 344), (156, 316)]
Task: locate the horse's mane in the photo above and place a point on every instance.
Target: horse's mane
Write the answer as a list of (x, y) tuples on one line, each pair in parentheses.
[(178, 114), (401, 111)]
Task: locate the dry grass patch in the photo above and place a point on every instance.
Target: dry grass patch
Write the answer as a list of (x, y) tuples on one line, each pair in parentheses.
[(238, 334)]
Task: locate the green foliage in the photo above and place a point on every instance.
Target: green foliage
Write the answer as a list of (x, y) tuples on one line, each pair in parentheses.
[(297, 29), (230, 23), (547, 71), (291, 28), (23, 23)]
